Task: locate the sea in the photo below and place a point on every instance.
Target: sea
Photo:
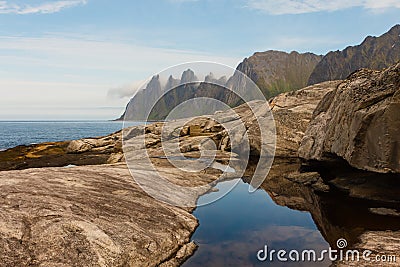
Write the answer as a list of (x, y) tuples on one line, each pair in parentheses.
[(15, 133)]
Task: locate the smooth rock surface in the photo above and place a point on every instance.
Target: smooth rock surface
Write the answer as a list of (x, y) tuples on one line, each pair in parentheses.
[(89, 216)]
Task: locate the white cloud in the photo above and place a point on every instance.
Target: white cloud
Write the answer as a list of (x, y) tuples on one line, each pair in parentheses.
[(280, 7), (42, 7)]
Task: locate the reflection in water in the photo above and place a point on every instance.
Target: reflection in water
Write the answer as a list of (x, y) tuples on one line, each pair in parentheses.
[(286, 215), (234, 228), (336, 214)]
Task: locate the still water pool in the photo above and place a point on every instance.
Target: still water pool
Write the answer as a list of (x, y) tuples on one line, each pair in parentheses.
[(233, 229)]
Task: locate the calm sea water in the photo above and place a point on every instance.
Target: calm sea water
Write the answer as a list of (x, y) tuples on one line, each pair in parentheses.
[(233, 229), (14, 133)]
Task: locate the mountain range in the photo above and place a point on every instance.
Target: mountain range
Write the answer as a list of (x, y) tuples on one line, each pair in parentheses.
[(373, 53), (272, 71)]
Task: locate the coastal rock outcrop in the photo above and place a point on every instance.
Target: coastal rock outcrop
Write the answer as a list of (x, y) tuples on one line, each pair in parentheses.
[(90, 216), (291, 111), (87, 151), (360, 122)]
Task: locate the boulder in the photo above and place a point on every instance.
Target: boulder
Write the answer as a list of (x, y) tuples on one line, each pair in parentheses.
[(360, 122), (78, 146)]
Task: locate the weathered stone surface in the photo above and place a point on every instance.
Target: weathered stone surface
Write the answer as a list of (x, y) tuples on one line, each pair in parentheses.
[(87, 151), (292, 114), (385, 248), (100, 144), (78, 146), (89, 216), (359, 122)]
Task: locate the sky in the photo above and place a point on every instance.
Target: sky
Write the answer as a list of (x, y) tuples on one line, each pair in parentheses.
[(83, 59)]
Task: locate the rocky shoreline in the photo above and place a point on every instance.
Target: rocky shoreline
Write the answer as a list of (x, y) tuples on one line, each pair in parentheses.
[(57, 214)]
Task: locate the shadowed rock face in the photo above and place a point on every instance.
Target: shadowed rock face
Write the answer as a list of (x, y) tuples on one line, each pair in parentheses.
[(360, 122), (373, 53)]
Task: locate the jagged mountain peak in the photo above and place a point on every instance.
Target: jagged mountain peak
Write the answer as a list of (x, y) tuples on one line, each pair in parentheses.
[(188, 76), (373, 53)]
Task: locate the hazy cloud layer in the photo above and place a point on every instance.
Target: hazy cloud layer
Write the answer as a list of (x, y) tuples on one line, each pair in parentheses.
[(127, 90), (11, 7), (280, 7)]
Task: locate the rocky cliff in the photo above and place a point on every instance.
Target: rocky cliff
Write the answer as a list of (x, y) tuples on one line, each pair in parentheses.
[(293, 112), (157, 100), (373, 53), (138, 104), (275, 72), (359, 121)]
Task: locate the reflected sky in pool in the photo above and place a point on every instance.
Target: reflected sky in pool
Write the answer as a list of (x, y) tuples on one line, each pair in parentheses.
[(233, 229)]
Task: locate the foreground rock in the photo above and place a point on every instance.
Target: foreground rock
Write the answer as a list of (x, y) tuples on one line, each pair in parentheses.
[(293, 112), (90, 216), (360, 122)]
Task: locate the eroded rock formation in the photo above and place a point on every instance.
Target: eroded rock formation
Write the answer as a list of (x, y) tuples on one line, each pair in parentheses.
[(360, 122)]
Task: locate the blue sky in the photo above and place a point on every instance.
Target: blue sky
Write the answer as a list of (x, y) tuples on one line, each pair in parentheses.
[(82, 59)]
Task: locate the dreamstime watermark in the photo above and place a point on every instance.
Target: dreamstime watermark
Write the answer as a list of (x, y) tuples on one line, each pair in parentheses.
[(311, 255), (175, 103)]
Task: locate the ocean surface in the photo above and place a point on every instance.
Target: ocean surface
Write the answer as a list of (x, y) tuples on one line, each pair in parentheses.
[(14, 133)]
